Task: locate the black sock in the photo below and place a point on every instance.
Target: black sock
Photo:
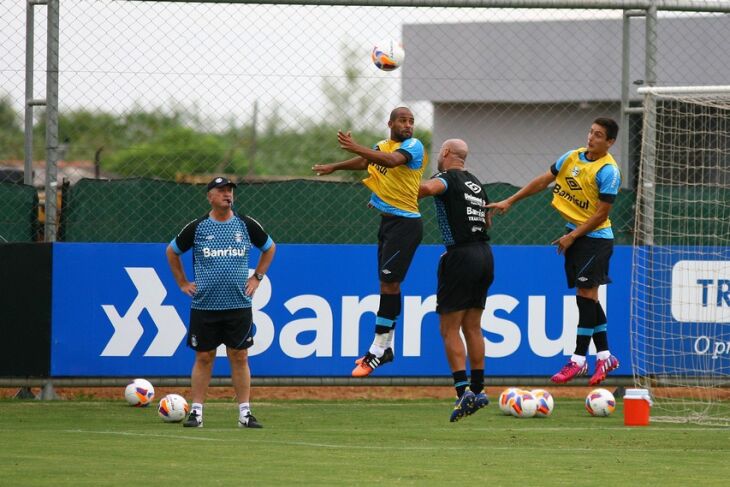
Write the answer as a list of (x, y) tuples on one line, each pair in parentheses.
[(388, 311), (460, 382), (586, 323), (477, 381), (600, 336)]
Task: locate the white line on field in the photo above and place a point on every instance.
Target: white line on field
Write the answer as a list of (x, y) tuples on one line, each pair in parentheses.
[(146, 435)]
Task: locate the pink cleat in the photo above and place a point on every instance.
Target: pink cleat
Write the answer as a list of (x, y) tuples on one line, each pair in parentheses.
[(569, 370), (603, 367)]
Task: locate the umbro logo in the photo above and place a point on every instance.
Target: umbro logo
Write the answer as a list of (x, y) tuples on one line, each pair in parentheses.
[(582, 279), (572, 183), (385, 271)]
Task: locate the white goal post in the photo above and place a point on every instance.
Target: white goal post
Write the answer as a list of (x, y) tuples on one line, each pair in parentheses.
[(680, 283)]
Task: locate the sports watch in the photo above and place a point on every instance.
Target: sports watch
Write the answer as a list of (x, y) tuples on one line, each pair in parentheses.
[(258, 276)]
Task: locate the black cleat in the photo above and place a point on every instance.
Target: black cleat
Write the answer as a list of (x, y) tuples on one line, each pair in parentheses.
[(249, 421), (194, 420), (369, 362)]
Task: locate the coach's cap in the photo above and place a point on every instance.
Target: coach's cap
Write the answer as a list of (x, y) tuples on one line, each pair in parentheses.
[(219, 182)]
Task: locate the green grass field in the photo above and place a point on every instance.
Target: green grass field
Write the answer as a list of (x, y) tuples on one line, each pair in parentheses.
[(349, 443)]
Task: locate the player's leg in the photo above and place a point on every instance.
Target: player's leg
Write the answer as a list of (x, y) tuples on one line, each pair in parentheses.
[(398, 239), (450, 327), (237, 331), (605, 362), (203, 339)]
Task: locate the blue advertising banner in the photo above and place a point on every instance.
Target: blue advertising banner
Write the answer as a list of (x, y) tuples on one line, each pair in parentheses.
[(118, 312)]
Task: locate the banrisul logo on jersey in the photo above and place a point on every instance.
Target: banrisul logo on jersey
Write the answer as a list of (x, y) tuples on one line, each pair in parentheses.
[(124, 315), (229, 252)]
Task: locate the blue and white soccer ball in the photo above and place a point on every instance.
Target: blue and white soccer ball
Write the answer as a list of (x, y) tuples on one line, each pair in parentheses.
[(600, 402), (139, 393), (388, 55)]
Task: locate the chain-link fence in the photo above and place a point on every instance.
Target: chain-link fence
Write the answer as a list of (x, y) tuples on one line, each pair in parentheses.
[(156, 96)]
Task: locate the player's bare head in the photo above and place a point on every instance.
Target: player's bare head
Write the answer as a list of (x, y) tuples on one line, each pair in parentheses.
[(401, 124), (453, 154), (609, 125)]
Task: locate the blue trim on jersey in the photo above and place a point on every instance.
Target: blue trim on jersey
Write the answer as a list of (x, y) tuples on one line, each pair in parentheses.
[(381, 205), (562, 159), (600, 328), (586, 332), (602, 233), (443, 222), (608, 179), (446, 185), (175, 248), (267, 245), (415, 148)]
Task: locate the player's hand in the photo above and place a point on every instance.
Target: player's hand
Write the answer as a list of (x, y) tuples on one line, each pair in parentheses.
[(346, 141), (189, 288), (500, 207), (252, 285), (323, 169), (564, 242)]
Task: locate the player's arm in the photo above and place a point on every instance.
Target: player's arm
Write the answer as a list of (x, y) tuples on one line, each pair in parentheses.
[(355, 164), (535, 186), (385, 159), (431, 187), (173, 259)]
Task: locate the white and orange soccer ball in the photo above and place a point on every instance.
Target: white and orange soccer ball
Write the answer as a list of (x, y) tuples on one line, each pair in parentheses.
[(545, 403), (173, 408), (139, 393), (388, 55), (600, 402), (505, 398), (524, 405)]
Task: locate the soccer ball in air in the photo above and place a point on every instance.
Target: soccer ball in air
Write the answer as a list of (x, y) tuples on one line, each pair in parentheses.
[(173, 408), (139, 393), (545, 403), (524, 405), (505, 398), (388, 55), (600, 402)]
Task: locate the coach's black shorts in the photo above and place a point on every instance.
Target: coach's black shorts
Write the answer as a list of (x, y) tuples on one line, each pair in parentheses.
[(398, 239), (586, 262), (464, 275), (208, 329)]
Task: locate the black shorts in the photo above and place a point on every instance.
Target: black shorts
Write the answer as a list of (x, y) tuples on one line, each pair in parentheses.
[(398, 239), (208, 329), (465, 273), (586, 262)]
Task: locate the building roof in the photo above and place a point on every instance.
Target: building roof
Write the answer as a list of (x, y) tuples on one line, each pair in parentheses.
[(557, 61)]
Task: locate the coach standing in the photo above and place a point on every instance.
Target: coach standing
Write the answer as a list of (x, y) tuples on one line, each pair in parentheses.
[(465, 271), (222, 290)]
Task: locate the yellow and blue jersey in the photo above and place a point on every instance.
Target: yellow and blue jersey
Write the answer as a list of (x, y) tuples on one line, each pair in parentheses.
[(395, 189), (580, 184)]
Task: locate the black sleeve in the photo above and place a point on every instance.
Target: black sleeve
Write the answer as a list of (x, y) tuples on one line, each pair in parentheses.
[(607, 198), (554, 169), (405, 153), (255, 231), (186, 238)]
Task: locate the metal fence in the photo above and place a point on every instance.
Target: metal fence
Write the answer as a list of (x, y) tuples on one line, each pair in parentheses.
[(178, 92)]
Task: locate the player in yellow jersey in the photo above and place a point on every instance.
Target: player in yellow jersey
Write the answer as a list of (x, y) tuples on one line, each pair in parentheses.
[(395, 167), (587, 181)]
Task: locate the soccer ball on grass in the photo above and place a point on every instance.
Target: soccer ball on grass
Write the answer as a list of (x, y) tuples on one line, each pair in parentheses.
[(600, 402), (139, 393), (173, 408), (545, 403)]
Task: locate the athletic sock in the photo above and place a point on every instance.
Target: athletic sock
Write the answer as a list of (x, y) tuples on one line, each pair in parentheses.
[(600, 332), (244, 408), (578, 359), (603, 355), (460, 382), (198, 408), (586, 323), (388, 311), (477, 381)]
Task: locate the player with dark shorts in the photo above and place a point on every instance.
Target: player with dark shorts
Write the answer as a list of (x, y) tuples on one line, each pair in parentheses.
[(465, 272), (395, 166), (220, 312), (587, 181)]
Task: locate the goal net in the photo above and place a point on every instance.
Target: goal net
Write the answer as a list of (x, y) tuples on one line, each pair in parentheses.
[(680, 286)]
